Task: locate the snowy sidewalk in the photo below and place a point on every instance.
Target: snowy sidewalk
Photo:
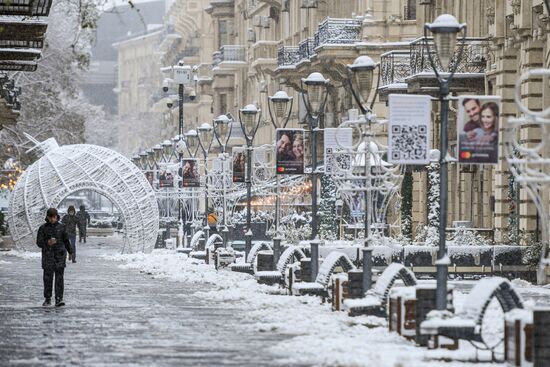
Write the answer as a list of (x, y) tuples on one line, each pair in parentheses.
[(321, 337), (117, 317)]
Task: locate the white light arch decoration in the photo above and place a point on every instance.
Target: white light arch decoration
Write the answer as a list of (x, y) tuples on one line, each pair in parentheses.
[(61, 171)]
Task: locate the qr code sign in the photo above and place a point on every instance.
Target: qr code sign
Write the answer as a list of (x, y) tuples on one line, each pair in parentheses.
[(336, 161), (409, 142)]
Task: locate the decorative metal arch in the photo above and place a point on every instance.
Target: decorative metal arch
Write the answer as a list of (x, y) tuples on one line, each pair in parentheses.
[(61, 171)]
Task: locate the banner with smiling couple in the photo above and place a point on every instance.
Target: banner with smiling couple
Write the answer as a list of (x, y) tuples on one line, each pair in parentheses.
[(290, 151), (477, 129)]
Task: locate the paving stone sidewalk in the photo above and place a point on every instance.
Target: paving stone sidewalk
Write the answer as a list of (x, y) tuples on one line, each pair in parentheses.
[(119, 317)]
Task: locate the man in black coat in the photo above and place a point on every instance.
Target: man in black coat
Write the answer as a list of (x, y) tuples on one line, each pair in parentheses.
[(54, 241), (83, 222)]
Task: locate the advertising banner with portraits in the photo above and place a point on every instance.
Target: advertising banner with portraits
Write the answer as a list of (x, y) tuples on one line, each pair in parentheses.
[(190, 172), (239, 164), (167, 174), (477, 129), (409, 130), (290, 151), (357, 204)]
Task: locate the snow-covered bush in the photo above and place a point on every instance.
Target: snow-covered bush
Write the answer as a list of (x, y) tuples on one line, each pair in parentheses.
[(468, 237)]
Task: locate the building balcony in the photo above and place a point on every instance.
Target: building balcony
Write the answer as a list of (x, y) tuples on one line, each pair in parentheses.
[(306, 49), (288, 56), (410, 71), (228, 59), (263, 56), (333, 31), (395, 67), (221, 8)]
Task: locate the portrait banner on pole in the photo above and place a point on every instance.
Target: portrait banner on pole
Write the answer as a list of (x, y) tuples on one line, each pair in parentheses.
[(337, 141), (409, 130), (477, 129), (239, 164), (190, 172), (167, 174), (290, 151)]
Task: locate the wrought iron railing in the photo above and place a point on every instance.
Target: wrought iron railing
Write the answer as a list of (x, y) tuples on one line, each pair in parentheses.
[(306, 48), (216, 58), (233, 53), (337, 31), (288, 56), (473, 59), (395, 66)]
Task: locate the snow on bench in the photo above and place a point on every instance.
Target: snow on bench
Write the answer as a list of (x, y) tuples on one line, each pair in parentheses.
[(376, 300), (254, 251), (213, 238), (288, 256), (468, 323), (195, 239), (329, 265)]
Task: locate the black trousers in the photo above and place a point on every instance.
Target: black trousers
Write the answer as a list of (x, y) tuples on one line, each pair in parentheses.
[(59, 282)]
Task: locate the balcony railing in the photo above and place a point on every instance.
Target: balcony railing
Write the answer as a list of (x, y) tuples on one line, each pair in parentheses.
[(233, 53), (306, 48), (16, 34), (473, 58), (395, 66), (288, 56), (338, 31)]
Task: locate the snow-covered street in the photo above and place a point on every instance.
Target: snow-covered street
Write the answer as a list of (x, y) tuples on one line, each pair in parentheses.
[(165, 309), (123, 317)]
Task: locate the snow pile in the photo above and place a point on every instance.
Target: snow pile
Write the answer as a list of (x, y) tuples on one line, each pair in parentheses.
[(23, 254), (313, 333)]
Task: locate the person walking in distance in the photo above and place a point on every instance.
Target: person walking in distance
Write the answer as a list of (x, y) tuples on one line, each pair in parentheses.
[(83, 222), (70, 220), (54, 241)]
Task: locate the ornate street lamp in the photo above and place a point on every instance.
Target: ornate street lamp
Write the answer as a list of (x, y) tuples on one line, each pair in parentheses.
[(222, 130), (280, 108), (314, 95), (206, 135), (157, 153), (445, 30), (250, 121), (143, 158), (167, 150), (192, 138), (360, 78)]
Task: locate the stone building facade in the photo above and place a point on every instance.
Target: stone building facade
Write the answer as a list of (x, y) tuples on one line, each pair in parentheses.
[(246, 50)]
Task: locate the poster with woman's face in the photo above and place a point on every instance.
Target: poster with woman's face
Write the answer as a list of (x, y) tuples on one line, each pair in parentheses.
[(290, 151), (190, 172), (477, 128), (239, 164), (166, 174)]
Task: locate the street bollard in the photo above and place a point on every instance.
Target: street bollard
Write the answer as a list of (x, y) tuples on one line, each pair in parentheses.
[(367, 268), (314, 258)]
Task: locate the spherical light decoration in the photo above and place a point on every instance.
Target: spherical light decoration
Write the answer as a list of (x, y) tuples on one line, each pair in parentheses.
[(62, 171)]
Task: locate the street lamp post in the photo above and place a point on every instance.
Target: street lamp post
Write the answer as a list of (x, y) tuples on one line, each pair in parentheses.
[(314, 95), (360, 79), (445, 29), (192, 139), (222, 130), (205, 141), (280, 108), (249, 118)]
